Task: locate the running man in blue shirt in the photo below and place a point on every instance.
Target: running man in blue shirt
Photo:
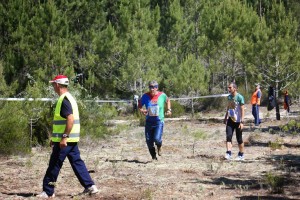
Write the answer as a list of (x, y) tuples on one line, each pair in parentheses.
[(154, 102)]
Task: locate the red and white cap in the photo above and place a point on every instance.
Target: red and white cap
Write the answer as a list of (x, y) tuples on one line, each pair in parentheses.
[(60, 79)]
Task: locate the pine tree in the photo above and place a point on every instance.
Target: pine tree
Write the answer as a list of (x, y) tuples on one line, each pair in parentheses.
[(143, 56), (191, 78), (277, 57)]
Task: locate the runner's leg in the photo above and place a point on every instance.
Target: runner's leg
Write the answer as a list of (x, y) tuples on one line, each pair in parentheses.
[(149, 135), (239, 138)]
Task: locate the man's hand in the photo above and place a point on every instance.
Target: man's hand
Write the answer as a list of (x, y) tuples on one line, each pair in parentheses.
[(144, 111), (169, 113), (258, 102), (241, 126), (63, 143)]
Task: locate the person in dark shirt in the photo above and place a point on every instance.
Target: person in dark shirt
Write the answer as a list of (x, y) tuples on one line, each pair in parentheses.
[(65, 136), (286, 102), (66, 108)]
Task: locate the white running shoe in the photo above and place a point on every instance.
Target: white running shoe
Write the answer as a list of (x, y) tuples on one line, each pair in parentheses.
[(91, 190), (240, 158), (228, 156), (44, 195)]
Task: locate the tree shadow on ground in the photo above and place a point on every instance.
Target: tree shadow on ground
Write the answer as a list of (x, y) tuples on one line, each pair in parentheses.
[(20, 194), (231, 183), (252, 197), (260, 144), (129, 161), (291, 145), (267, 144), (294, 113), (253, 184), (289, 159), (287, 166), (262, 129)]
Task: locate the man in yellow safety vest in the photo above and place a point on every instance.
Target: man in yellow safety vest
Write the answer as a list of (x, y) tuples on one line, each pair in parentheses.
[(65, 136)]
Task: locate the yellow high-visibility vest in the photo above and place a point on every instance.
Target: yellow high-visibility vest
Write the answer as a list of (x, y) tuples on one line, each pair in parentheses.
[(59, 123)]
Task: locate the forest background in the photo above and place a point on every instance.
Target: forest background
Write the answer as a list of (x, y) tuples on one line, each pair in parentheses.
[(110, 49)]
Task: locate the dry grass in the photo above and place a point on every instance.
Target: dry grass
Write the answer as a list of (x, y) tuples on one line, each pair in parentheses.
[(192, 166)]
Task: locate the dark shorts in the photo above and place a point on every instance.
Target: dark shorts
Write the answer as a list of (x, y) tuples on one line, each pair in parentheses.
[(230, 127)]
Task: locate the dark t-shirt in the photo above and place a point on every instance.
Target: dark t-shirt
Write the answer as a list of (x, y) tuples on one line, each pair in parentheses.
[(66, 108)]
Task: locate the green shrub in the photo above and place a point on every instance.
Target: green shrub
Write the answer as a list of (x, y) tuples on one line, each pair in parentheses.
[(200, 135), (93, 118), (275, 183), (18, 136), (177, 109), (291, 124), (218, 103), (14, 137), (285, 128), (275, 145), (298, 126), (39, 113), (292, 127), (142, 120)]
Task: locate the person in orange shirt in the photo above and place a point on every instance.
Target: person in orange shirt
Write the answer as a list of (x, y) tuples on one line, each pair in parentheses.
[(255, 101)]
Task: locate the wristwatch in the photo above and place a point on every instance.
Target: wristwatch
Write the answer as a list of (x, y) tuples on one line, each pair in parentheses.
[(65, 135)]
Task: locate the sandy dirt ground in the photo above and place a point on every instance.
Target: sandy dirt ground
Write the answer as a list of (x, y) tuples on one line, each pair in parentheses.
[(192, 165)]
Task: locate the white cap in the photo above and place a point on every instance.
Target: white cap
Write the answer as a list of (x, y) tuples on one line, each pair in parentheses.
[(60, 79)]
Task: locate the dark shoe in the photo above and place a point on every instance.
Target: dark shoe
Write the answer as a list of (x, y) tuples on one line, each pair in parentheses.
[(154, 158), (152, 153), (159, 151)]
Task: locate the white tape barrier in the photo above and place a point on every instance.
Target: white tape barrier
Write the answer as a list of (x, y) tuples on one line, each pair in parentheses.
[(201, 97), (49, 99), (109, 101), (25, 99)]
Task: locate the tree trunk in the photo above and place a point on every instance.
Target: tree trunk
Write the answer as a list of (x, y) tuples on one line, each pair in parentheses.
[(192, 107)]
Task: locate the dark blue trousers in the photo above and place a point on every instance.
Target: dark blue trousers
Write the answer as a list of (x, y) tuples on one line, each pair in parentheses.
[(56, 162), (153, 134), (255, 113)]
